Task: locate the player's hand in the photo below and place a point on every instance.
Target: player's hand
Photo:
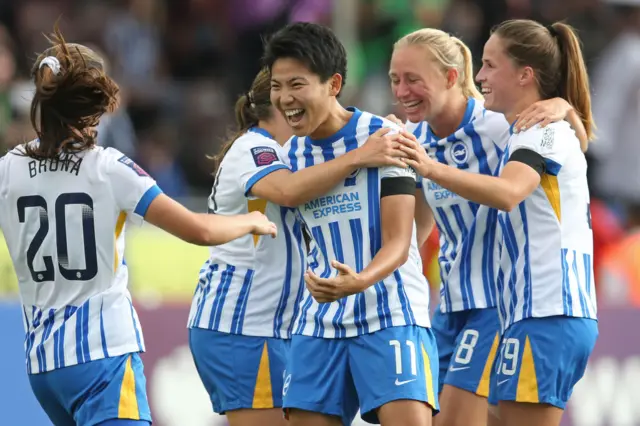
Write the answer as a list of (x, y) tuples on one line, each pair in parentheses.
[(394, 119), (542, 113), (260, 225), (382, 149), (326, 290), (417, 158)]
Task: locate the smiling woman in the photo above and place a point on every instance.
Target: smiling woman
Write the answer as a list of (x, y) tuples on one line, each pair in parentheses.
[(544, 293), (298, 85), (432, 78), (70, 202), (423, 58), (362, 339), (243, 309)]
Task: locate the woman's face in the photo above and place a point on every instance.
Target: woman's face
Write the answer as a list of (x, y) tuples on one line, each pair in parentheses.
[(300, 96), (499, 78), (418, 83)]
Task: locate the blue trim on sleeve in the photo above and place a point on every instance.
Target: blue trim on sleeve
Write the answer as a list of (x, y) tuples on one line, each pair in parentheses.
[(553, 168), (262, 173), (147, 198), (419, 184)]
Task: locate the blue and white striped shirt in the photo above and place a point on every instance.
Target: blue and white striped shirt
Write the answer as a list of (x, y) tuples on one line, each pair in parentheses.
[(468, 241), (345, 225), (546, 263), (253, 285), (64, 224)]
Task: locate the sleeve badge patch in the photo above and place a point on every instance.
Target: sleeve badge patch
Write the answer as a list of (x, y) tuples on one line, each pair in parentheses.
[(264, 155), (133, 166)]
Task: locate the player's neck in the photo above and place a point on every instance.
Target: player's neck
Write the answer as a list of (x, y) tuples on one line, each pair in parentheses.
[(274, 130), (338, 118), (524, 102), (447, 122)]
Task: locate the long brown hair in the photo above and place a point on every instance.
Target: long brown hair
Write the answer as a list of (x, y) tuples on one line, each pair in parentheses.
[(555, 55), (250, 109), (72, 92)]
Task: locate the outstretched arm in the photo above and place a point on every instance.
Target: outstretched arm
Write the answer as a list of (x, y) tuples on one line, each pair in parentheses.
[(516, 182), (292, 189), (518, 179), (204, 229)]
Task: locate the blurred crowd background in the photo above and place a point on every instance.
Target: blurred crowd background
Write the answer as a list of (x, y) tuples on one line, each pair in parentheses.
[(182, 63)]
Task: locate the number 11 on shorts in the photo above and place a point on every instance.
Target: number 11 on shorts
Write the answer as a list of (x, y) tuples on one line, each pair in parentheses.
[(411, 347)]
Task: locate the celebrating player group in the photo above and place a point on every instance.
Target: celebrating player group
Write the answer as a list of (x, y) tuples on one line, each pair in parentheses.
[(312, 306)]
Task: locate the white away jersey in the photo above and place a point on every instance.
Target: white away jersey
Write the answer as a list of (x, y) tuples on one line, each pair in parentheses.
[(467, 231), (252, 285), (64, 221), (344, 225), (546, 266)]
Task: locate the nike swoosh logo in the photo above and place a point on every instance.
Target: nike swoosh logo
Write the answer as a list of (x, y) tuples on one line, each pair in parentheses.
[(502, 382), (399, 383), (452, 368)]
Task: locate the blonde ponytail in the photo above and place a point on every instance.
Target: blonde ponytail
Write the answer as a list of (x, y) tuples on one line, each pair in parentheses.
[(469, 88)]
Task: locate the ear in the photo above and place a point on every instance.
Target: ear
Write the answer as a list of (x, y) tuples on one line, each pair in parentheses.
[(452, 77), (527, 76), (335, 84)]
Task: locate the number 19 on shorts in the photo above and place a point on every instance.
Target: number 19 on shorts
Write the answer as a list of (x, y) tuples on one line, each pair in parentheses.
[(508, 357)]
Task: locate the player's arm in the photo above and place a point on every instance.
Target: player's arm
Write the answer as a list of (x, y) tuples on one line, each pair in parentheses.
[(292, 189), (397, 206), (137, 194), (424, 218), (516, 182), (204, 229), (519, 178)]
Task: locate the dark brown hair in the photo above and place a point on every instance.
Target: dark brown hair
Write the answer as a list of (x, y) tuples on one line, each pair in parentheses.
[(251, 107), (67, 105), (555, 55)]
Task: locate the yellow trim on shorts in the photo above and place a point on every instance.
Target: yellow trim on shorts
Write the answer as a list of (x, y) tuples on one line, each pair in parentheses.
[(527, 390), (128, 405), (483, 386), (431, 386), (263, 393)]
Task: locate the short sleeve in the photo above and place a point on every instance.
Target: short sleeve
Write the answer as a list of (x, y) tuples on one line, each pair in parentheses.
[(254, 157), (132, 188), (545, 142), (393, 172)]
